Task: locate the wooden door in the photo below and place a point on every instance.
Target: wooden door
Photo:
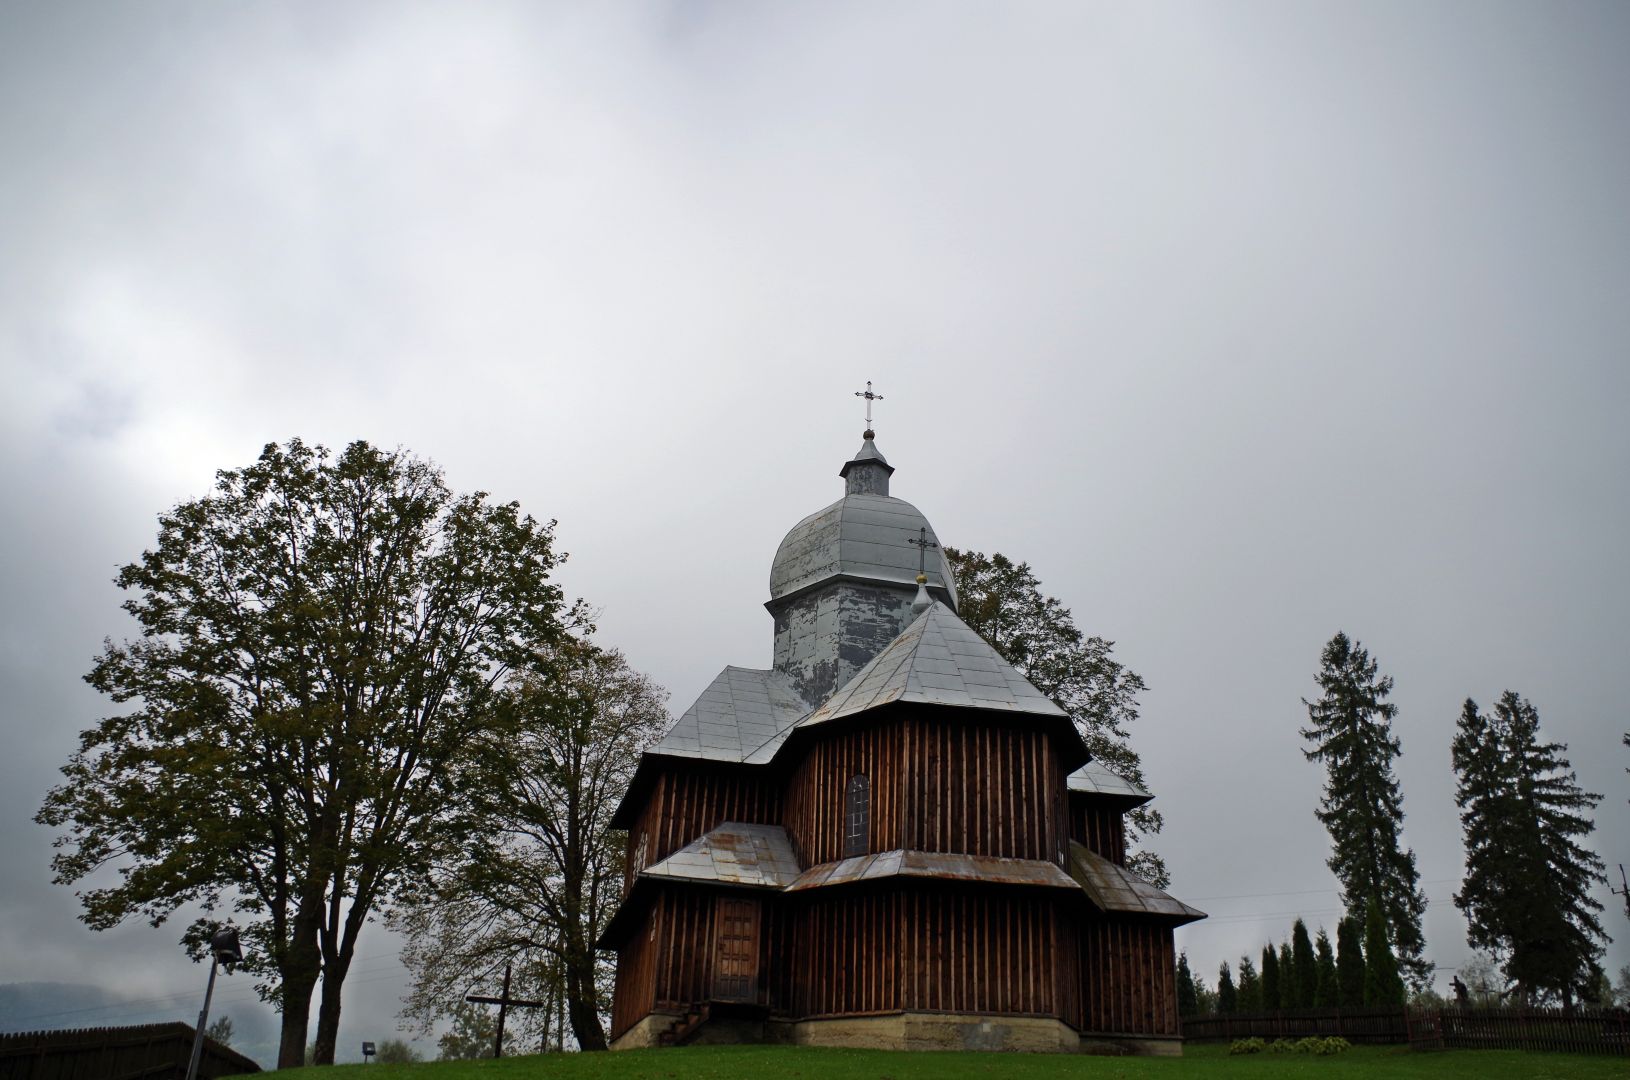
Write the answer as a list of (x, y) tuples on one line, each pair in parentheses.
[(735, 960)]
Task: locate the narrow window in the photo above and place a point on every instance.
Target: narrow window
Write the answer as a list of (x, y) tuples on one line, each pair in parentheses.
[(857, 817)]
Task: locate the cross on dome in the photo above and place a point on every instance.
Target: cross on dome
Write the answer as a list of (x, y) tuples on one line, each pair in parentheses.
[(870, 397)]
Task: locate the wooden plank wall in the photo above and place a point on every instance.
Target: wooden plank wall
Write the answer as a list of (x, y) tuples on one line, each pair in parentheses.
[(635, 991), (1098, 828), (925, 949), (685, 804), (937, 784), (1128, 972)]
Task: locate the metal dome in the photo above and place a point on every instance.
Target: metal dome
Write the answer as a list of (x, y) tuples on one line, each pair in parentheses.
[(861, 536)]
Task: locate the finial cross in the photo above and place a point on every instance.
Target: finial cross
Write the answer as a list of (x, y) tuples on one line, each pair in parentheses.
[(922, 544), (870, 397)]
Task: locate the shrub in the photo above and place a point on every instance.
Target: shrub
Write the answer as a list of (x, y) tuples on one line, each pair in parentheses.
[(1247, 1046), (1281, 1046), (1333, 1044)]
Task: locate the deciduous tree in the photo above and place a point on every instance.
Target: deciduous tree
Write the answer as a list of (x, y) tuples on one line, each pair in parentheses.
[(543, 872), (1002, 600), (1350, 733), (319, 641), (1526, 894)]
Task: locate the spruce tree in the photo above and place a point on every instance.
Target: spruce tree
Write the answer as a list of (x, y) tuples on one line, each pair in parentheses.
[(1382, 983), (1349, 963), (1350, 731), (1270, 979), (1250, 987), (1526, 894), (1188, 1002), (1327, 989), (1302, 962)]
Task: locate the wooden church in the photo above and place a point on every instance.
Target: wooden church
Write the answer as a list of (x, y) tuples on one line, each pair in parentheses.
[(888, 839)]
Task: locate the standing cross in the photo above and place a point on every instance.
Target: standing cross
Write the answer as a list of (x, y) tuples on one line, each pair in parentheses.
[(922, 544), (870, 397), (504, 1001)]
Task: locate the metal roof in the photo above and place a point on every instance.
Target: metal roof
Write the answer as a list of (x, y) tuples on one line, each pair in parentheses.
[(1114, 888), (937, 660), (937, 865), (743, 710), (859, 536), (1095, 779), (752, 856)]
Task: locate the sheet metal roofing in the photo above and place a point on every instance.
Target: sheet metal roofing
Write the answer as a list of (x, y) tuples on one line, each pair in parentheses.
[(937, 660), (742, 711), (1114, 888), (932, 864), (751, 856), (859, 536), (1094, 779)]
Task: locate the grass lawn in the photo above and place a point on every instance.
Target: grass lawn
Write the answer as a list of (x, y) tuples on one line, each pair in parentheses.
[(1211, 1062)]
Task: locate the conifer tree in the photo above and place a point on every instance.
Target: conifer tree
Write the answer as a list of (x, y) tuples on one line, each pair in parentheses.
[(1382, 983), (1270, 979), (1227, 995), (1249, 994), (1307, 970), (1326, 989), (1290, 990), (1349, 963), (1350, 731), (1526, 895), (1188, 1002)]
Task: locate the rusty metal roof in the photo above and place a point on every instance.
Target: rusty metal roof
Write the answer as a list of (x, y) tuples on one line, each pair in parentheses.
[(938, 660), (751, 856), (1095, 779), (1116, 889), (933, 864)]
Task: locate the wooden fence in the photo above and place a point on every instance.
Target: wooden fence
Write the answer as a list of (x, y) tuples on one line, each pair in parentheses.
[(146, 1052), (1581, 1031), (1377, 1025)]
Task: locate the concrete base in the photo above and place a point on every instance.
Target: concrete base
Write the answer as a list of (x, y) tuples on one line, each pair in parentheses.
[(644, 1033), (904, 1031)]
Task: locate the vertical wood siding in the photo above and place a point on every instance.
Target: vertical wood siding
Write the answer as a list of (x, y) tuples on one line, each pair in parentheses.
[(1128, 978), (635, 992), (684, 805), (1098, 829), (959, 785)]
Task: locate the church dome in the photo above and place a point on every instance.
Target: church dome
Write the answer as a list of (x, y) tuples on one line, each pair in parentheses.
[(868, 535)]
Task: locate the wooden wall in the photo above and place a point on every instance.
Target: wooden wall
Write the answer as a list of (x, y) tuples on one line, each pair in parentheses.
[(1128, 978), (686, 803), (1098, 828), (952, 784)]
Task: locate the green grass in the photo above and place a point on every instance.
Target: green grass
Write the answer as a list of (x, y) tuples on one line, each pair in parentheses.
[(1210, 1062)]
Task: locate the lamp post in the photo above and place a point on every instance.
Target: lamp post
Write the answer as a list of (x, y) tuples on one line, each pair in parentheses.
[(224, 950)]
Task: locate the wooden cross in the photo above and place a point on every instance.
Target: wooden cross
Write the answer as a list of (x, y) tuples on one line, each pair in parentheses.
[(922, 544), (870, 397), (504, 1001)]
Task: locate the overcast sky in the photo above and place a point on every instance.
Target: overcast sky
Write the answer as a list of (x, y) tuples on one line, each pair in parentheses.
[(1243, 323)]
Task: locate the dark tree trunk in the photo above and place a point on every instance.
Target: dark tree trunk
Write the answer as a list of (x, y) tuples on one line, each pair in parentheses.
[(301, 966), (581, 1001)]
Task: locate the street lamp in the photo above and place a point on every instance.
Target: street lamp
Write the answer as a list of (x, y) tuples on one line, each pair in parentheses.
[(224, 951)]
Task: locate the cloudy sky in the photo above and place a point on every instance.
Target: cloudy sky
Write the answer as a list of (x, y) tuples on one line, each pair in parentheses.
[(1244, 324)]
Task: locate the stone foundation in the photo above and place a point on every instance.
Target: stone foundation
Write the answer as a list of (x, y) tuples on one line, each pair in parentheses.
[(907, 1031)]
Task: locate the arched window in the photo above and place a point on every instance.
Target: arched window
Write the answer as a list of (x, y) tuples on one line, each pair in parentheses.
[(857, 814)]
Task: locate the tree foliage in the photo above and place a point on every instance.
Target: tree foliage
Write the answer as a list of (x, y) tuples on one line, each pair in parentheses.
[(1305, 964), (1350, 733), (1249, 993), (1290, 987), (320, 638), (1349, 963), (1383, 984), (1326, 983), (396, 1052), (1526, 894), (1188, 1001), (1271, 993), (542, 872), (1227, 994), (1002, 601), (472, 1034)]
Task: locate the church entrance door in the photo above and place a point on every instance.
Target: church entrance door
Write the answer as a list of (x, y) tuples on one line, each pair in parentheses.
[(735, 964)]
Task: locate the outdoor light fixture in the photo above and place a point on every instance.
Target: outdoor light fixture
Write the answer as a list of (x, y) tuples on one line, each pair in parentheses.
[(367, 1052), (224, 951)]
